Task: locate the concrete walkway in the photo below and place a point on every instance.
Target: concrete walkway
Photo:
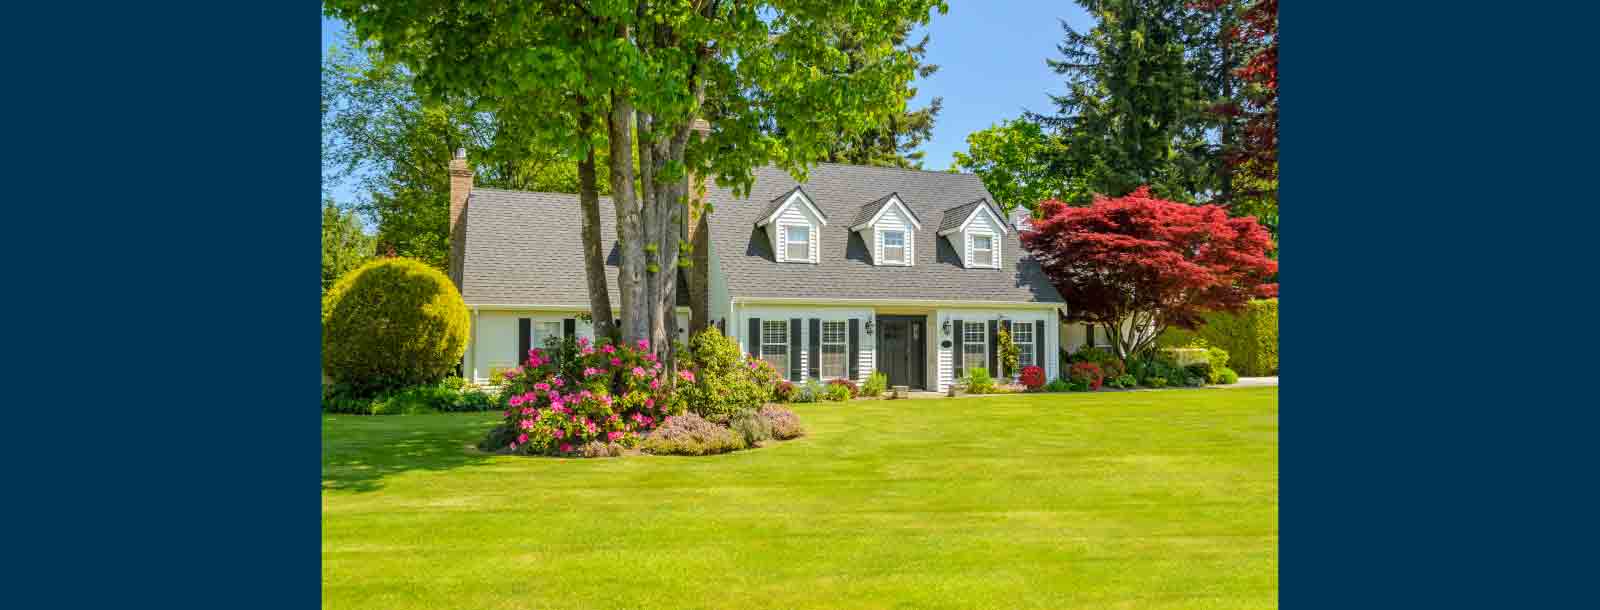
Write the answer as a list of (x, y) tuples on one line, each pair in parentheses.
[(1254, 382), (1244, 382)]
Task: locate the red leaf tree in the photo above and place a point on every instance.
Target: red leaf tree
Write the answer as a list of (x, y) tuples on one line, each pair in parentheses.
[(1140, 264)]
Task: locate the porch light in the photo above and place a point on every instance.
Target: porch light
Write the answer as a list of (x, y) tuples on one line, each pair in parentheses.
[(869, 327), (946, 328)]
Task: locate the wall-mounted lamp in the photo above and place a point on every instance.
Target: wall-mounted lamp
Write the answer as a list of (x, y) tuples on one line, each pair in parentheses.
[(869, 327), (946, 328)]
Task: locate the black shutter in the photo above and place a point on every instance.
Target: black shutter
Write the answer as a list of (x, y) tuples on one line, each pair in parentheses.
[(1038, 343), (994, 344), (524, 339), (794, 350), (1088, 331), (569, 327), (816, 348), (855, 349), (753, 340), (956, 357), (1006, 324)]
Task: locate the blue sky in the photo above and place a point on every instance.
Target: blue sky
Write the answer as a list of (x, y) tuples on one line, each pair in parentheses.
[(991, 66)]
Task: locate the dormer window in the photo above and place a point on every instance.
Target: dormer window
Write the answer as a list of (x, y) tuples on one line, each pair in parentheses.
[(894, 247), (797, 243), (888, 228), (983, 250)]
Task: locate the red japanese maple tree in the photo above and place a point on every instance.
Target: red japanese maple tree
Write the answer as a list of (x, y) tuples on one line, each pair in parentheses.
[(1141, 264)]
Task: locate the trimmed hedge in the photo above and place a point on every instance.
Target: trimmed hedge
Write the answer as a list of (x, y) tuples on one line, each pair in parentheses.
[(392, 323), (1250, 336)]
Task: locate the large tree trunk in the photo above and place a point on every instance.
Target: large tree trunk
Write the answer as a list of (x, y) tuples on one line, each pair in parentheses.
[(594, 259), (630, 229), (700, 274)]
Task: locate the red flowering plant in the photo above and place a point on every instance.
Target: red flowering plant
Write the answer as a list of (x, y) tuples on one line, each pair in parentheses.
[(607, 394), (1032, 377), (1088, 374)]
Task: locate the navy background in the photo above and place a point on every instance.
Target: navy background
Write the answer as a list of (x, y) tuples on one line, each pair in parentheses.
[(162, 166)]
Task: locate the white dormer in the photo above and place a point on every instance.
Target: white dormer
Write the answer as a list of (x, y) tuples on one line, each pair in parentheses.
[(890, 227), (976, 230), (794, 226)]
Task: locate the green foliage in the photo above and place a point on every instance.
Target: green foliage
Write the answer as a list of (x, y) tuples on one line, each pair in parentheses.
[(750, 425), (1013, 160), (1008, 351), (1058, 385), (1078, 386), (724, 383), (848, 385), (1250, 338), (1156, 382), (979, 381), (1200, 371), (345, 243), (894, 142), (434, 398), (876, 384), (784, 392), (837, 393), (1123, 381), (1226, 376), (392, 323)]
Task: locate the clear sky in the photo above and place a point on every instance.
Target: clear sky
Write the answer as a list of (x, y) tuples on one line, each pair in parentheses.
[(991, 65)]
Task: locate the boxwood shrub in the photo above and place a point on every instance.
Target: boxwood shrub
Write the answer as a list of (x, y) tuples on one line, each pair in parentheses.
[(1250, 337), (392, 323)]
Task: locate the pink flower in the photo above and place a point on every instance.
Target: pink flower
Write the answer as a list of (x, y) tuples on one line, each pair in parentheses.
[(515, 401), (529, 410), (613, 435), (655, 384), (542, 386), (525, 424), (609, 349), (558, 382), (586, 350), (649, 403), (650, 357), (558, 433), (687, 376), (638, 372), (512, 374), (590, 371), (522, 438), (513, 445), (644, 344), (583, 341), (566, 447), (616, 362)]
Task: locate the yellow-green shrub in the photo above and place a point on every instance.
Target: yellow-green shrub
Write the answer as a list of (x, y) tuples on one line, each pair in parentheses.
[(1250, 336), (392, 323)]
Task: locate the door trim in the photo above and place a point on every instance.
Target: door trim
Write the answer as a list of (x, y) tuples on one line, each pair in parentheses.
[(919, 364)]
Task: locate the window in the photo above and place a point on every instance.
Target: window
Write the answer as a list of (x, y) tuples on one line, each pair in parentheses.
[(542, 331), (775, 345), (974, 346), (1022, 336), (894, 247), (798, 246), (835, 350), (983, 250)]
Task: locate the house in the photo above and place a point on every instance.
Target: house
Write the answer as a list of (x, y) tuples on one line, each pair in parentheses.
[(859, 269)]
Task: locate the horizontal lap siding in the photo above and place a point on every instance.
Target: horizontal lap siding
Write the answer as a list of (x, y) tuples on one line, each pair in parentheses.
[(947, 373), (743, 314)]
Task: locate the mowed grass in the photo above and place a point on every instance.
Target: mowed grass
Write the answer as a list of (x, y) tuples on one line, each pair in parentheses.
[(1110, 500)]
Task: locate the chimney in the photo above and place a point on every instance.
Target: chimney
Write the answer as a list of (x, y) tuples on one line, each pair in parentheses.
[(460, 189)]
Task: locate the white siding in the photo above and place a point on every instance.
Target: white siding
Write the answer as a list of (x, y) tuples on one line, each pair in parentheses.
[(982, 224), (739, 326), (493, 343), (892, 220), (796, 213), (982, 316)]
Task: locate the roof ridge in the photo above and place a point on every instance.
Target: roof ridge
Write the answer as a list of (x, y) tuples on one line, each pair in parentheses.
[(903, 169)]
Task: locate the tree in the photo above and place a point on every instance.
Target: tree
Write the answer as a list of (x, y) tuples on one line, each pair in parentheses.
[(1238, 67), (1132, 109), (395, 146), (893, 143), (1140, 264), (632, 77), (1013, 159), (345, 243)]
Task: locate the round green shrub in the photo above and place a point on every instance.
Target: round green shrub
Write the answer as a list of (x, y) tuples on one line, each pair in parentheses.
[(392, 323), (1226, 376), (724, 382)]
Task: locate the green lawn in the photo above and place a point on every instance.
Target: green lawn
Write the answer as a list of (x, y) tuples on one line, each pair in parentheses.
[(1111, 500)]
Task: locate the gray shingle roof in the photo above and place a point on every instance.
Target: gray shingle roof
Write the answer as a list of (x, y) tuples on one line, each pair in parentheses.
[(953, 217), (871, 209), (525, 248)]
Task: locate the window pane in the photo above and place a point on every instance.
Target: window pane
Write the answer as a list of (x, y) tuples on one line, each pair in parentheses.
[(894, 238), (775, 345), (835, 347), (799, 242), (894, 254)]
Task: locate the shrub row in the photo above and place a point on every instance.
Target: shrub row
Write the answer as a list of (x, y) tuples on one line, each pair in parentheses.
[(1250, 337), (444, 397)]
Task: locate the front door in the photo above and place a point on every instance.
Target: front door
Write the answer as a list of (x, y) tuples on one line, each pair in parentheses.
[(901, 352)]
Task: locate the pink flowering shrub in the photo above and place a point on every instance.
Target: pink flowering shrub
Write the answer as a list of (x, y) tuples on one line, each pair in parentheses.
[(782, 423), (690, 434), (559, 401)]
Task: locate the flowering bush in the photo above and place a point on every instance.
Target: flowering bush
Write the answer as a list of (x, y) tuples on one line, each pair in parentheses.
[(717, 381), (1087, 374), (751, 426), (690, 434), (784, 392), (610, 394), (782, 422), (849, 385), (1032, 377)]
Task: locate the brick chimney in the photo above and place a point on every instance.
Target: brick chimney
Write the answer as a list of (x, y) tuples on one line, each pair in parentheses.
[(460, 189)]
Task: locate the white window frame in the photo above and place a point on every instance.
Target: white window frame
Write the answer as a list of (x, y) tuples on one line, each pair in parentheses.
[(843, 329), (766, 341), (905, 248), (993, 249), (1025, 350), (540, 332), (811, 236), (967, 343)]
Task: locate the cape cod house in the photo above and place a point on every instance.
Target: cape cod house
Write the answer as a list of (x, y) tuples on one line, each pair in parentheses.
[(859, 269)]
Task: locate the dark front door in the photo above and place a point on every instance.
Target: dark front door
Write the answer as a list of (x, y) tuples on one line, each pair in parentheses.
[(901, 350)]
